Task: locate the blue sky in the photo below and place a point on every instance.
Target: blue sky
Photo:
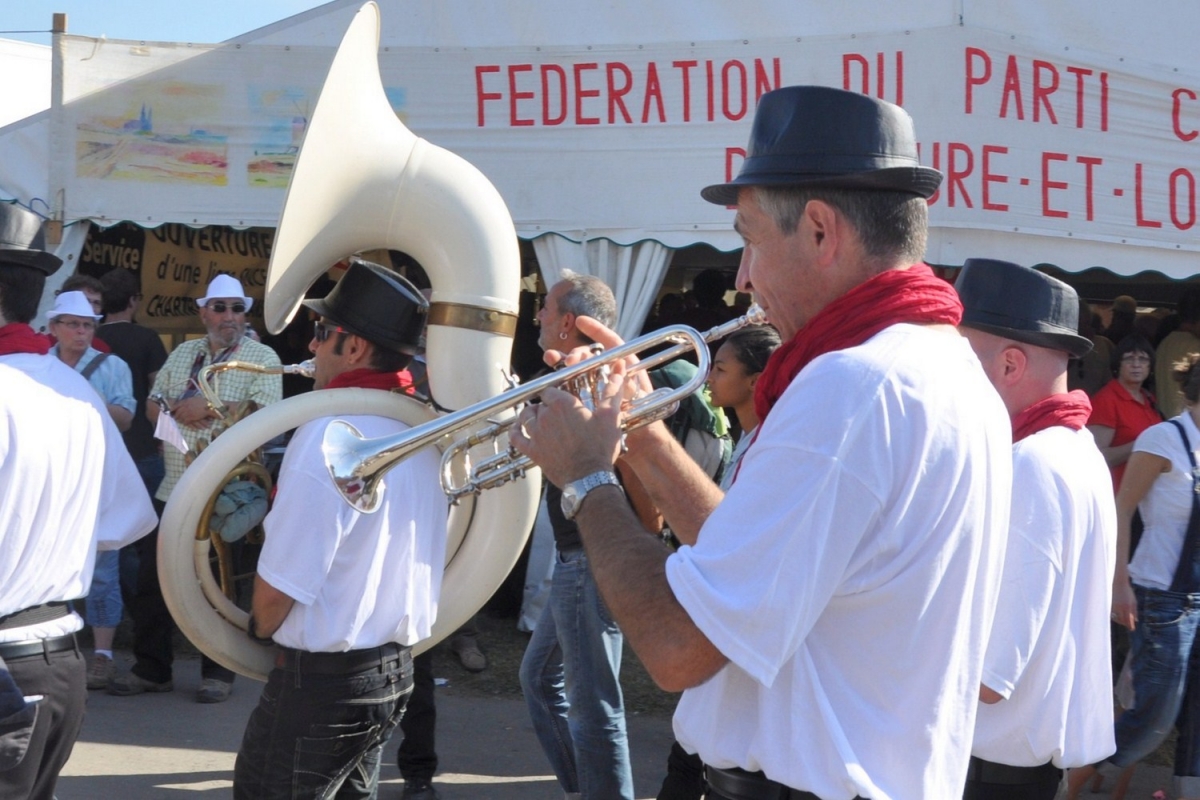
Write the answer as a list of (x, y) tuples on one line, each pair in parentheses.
[(201, 21)]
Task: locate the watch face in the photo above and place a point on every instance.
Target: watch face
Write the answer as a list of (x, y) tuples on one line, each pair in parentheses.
[(570, 500)]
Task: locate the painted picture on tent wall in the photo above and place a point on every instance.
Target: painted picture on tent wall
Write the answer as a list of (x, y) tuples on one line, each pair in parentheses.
[(154, 132), (280, 119)]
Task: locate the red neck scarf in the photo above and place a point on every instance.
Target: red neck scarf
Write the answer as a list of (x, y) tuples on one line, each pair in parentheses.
[(17, 337), (372, 379), (1070, 410), (913, 295)]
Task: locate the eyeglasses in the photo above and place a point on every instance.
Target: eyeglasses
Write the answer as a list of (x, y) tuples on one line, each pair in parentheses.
[(321, 330), (220, 308), (77, 324)]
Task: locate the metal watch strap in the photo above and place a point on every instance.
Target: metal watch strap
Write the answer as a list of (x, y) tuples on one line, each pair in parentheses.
[(585, 485)]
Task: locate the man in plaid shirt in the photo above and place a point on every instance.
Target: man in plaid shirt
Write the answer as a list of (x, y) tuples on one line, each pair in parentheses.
[(223, 312)]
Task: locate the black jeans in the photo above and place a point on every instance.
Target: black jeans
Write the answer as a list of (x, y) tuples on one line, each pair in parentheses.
[(417, 755), (62, 678), (319, 734), (153, 626)]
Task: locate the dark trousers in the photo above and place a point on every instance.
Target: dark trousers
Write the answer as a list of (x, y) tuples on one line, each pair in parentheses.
[(62, 679), (685, 776), (417, 755), (153, 627), (320, 734), (988, 781)]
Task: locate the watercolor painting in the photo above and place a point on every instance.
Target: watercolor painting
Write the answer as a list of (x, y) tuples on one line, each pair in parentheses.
[(149, 132), (280, 120)]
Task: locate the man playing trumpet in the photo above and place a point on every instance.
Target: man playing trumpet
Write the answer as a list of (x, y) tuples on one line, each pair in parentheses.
[(344, 594), (827, 616)]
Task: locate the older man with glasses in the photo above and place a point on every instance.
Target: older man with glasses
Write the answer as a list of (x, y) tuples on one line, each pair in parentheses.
[(223, 312)]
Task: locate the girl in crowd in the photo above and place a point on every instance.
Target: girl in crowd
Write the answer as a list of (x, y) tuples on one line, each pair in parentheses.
[(735, 370)]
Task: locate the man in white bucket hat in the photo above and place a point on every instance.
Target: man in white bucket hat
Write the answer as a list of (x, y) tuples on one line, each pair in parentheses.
[(73, 322), (223, 312)]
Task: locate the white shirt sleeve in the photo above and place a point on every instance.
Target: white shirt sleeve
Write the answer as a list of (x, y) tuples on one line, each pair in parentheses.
[(126, 513), (1033, 565)]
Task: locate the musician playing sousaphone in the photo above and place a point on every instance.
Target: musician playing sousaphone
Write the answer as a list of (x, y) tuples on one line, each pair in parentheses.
[(344, 594)]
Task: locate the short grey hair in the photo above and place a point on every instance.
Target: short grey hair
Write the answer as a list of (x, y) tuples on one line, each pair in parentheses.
[(589, 297), (893, 226)]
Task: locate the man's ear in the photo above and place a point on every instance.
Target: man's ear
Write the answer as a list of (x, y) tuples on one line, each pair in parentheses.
[(1014, 361), (820, 221), (358, 350)]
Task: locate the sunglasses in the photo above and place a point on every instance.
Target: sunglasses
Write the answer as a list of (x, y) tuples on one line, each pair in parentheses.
[(220, 308), (321, 330), (77, 325)]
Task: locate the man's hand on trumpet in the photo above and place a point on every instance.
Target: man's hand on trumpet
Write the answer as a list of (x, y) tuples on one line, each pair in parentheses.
[(636, 382), (565, 438)]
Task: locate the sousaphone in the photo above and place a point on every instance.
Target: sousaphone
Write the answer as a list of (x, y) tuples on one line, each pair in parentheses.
[(363, 181)]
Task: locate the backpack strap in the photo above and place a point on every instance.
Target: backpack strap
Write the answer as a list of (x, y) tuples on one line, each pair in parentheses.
[(1187, 571), (91, 368)]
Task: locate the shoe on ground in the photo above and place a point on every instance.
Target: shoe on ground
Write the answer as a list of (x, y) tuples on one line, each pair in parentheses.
[(99, 671), (469, 654), (128, 684), (213, 691), (419, 790)]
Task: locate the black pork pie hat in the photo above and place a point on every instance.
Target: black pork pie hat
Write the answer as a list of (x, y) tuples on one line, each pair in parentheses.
[(830, 139), (377, 304), (22, 240), (1021, 304)]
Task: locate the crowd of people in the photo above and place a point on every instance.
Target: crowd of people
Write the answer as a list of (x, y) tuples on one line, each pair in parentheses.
[(903, 580)]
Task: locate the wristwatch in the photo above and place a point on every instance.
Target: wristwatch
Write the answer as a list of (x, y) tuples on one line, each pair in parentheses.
[(574, 492)]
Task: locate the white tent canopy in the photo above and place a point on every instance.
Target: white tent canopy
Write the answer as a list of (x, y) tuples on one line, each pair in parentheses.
[(1067, 130)]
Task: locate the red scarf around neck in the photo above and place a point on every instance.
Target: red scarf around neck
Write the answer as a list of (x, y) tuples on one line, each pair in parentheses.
[(371, 379), (17, 337), (1070, 410), (913, 295)]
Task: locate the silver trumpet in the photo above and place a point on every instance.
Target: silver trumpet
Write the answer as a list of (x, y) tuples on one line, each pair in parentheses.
[(305, 368), (357, 464)]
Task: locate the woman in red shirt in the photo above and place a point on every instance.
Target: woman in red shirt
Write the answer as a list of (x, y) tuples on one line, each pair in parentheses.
[(1123, 409)]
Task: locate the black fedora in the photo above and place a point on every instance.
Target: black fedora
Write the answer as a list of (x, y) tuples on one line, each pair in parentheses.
[(832, 139), (1021, 304), (377, 304), (22, 240)]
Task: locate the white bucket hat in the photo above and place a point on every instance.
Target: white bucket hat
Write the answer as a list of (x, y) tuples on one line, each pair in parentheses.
[(225, 286), (74, 304)]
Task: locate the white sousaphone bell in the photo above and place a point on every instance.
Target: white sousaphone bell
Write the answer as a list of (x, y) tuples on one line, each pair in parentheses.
[(363, 181)]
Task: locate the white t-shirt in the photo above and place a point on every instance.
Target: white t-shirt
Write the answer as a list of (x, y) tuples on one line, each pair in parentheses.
[(1167, 507), (64, 471), (851, 572), (359, 580), (1048, 654)]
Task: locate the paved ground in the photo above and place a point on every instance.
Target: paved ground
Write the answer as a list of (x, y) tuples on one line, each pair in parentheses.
[(167, 746)]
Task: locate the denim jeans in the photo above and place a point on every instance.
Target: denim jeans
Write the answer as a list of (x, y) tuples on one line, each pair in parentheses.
[(319, 735), (1166, 684), (104, 605), (571, 678)]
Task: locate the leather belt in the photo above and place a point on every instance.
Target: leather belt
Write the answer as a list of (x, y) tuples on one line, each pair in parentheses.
[(37, 647), (340, 663), (34, 614), (738, 784), (981, 771)]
